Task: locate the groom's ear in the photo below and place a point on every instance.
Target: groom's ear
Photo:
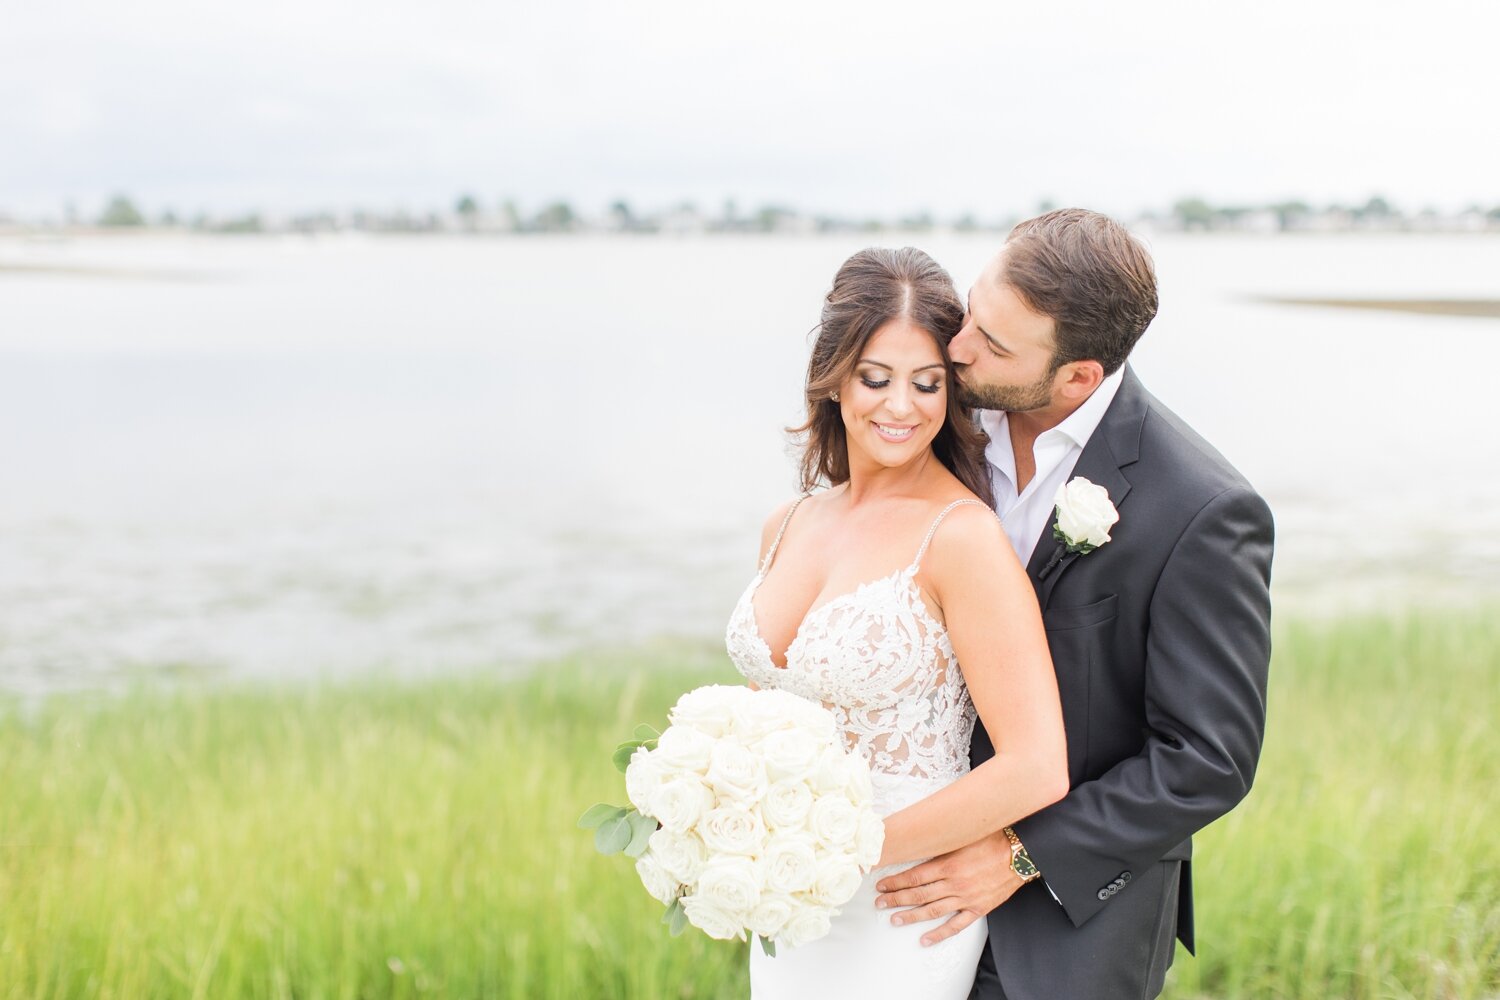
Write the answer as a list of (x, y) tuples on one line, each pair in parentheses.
[(1077, 380)]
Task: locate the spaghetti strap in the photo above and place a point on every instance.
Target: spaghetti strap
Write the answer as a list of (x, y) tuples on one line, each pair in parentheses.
[(765, 563), (933, 530)]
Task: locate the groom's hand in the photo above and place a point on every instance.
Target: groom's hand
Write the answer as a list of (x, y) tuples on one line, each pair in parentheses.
[(967, 883)]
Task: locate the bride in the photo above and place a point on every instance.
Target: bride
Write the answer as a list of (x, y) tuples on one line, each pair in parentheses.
[(869, 597)]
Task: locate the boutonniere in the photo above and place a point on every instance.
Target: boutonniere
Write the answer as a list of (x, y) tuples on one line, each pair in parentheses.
[(1084, 516)]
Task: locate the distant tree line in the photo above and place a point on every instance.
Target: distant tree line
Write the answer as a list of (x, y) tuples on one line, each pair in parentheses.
[(470, 214), (1376, 213)]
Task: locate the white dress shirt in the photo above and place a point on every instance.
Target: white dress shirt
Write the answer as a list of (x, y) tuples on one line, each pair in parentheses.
[(1055, 452)]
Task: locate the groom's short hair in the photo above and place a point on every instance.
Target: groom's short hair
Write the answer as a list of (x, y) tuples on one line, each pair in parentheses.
[(1088, 274)]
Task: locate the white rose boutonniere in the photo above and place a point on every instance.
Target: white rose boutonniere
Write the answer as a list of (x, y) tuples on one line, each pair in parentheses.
[(1084, 516)]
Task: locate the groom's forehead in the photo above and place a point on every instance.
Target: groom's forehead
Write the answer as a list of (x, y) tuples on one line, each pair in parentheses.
[(989, 284), (993, 273)]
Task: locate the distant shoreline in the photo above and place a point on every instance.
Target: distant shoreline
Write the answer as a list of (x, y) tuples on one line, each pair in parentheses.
[(10, 230), (1484, 308)]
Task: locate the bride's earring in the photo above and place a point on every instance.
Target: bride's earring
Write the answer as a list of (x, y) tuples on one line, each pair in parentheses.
[(834, 397)]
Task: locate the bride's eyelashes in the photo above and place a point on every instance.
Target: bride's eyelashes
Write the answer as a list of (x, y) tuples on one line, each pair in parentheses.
[(871, 383)]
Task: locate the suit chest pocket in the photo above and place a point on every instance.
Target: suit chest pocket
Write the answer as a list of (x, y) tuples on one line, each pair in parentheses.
[(1066, 619)]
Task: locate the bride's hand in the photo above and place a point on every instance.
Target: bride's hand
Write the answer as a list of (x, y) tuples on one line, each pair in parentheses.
[(967, 883)]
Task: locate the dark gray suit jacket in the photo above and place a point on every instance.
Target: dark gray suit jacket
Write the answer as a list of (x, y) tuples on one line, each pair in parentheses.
[(1161, 643)]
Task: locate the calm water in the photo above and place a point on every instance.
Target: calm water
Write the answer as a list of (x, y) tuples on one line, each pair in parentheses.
[(279, 456)]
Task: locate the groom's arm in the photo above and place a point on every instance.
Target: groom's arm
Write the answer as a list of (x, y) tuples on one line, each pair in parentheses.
[(1207, 657)]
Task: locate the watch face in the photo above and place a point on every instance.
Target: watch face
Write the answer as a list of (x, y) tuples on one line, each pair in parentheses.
[(1022, 866)]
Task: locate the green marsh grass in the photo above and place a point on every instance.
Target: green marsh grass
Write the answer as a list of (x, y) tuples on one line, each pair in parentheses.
[(400, 839)]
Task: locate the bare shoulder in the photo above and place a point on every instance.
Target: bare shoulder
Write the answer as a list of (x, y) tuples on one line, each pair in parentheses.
[(970, 542), (774, 521), (967, 524)]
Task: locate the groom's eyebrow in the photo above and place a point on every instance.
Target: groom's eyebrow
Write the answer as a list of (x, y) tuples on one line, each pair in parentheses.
[(882, 364), (982, 331)]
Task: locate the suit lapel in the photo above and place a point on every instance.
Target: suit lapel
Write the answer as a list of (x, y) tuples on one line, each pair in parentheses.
[(1114, 445)]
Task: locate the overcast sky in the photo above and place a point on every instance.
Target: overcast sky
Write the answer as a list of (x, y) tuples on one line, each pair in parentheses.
[(864, 107)]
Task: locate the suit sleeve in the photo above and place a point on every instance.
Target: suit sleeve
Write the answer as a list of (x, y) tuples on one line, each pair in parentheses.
[(1208, 651)]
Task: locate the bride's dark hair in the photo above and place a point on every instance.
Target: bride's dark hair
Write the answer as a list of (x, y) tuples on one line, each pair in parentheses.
[(872, 288)]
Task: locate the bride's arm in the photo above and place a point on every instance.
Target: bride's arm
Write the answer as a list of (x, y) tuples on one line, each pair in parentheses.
[(993, 621)]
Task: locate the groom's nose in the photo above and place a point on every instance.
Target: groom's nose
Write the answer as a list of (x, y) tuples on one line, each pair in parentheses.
[(961, 347)]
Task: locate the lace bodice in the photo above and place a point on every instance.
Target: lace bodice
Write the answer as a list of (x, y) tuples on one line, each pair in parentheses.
[(879, 661)]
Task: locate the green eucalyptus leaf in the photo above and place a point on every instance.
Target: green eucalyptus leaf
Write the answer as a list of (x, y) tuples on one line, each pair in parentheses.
[(672, 911), (644, 732), (623, 754), (679, 919), (613, 835), (650, 744), (641, 829), (767, 945), (598, 814)]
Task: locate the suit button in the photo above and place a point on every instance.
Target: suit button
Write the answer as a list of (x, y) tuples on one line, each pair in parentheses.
[(1103, 893), (1125, 876)]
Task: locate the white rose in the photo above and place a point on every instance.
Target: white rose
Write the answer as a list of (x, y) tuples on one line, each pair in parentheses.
[(656, 880), (732, 830), (813, 717), (643, 777), (678, 804), (730, 883), (786, 804), (764, 712), (860, 791), (1084, 513), (807, 923), (791, 862), (709, 709), (834, 821), (831, 773), (870, 840), (837, 879), (789, 753), (712, 920), (736, 774), (770, 915), (682, 855), (683, 749)]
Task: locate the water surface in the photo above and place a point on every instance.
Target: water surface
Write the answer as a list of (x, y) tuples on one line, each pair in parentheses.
[(278, 456)]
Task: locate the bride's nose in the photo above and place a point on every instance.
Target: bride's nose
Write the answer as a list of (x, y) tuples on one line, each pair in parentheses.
[(899, 402)]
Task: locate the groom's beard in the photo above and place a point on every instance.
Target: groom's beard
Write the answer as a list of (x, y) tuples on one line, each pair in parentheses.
[(1011, 398)]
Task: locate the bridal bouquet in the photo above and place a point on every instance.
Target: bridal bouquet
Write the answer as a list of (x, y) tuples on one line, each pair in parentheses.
[(747, 815)]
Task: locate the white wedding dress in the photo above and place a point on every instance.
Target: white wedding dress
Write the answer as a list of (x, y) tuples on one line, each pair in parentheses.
[(884, 666)]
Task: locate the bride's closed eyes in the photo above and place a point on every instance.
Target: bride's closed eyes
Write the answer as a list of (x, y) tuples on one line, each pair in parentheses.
[(872, 381)]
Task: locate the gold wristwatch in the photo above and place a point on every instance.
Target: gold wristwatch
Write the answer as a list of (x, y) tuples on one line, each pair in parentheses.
[(1020, 861)]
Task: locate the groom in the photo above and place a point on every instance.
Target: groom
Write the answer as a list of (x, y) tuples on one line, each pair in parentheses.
[(1160, 636)]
